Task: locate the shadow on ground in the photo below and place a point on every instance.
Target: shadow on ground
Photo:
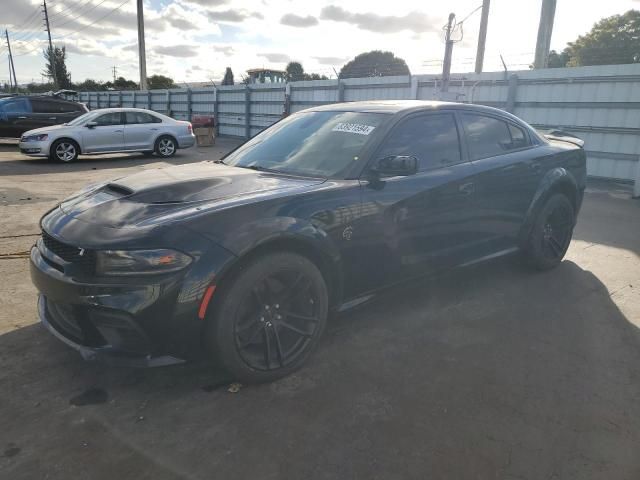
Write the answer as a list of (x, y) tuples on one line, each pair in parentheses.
[(490, 372)]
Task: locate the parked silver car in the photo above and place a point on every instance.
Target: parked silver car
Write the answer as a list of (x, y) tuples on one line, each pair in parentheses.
[(109, 130)]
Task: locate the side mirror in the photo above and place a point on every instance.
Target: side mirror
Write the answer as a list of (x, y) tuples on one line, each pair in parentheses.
[(396, 166), (91, 124)]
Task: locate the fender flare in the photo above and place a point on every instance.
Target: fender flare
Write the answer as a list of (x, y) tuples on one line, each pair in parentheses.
[(557, 180), (295, 235)]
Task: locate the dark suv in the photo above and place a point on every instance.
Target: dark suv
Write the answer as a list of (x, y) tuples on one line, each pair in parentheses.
[(21, 113)]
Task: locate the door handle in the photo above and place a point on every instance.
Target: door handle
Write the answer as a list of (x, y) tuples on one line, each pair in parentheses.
[(53, 118), (117, 131), (467, 188), (154, 129), (22, 118)]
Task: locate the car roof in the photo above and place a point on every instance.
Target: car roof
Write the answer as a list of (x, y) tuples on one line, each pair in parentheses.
[(124, 109), (405, 106)]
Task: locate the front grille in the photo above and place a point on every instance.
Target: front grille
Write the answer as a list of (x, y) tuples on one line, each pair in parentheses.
[(96, 327), (85, 259)]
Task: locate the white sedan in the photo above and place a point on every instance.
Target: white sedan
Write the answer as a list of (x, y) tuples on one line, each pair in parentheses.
[(109, 130)]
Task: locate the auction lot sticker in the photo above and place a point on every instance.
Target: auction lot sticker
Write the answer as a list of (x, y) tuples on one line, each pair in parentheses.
[(353, 128)]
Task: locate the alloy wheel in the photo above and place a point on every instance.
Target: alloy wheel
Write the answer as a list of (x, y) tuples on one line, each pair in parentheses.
[(557, 230), (166, 147), (65, 151), (277, 321)]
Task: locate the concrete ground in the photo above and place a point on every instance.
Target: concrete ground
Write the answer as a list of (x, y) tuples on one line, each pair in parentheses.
[(490, 372)]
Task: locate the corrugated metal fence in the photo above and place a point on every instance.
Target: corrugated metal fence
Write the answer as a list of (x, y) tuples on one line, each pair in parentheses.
[(600, 104)]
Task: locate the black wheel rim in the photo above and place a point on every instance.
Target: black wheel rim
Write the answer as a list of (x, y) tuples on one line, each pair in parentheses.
[(277, 320), (556, 233)]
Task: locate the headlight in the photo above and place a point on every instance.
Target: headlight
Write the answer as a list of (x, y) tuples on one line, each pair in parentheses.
[(140, 262), (36, 138)]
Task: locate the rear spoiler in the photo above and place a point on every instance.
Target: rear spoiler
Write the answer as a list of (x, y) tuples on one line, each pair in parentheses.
[(562, 136)]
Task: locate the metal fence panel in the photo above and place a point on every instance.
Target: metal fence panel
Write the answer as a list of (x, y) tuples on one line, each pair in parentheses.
[(600, 104)]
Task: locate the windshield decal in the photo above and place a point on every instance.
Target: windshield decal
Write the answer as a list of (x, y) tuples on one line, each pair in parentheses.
[(353, 128)]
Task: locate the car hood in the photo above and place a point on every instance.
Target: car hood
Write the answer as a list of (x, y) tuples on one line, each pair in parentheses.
[(137, 199), (48, 129)]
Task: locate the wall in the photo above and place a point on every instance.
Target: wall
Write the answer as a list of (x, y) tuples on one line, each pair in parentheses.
[(600, 104)]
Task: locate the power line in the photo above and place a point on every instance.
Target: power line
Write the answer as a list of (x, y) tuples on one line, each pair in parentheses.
[(93, 7), (78, 30)]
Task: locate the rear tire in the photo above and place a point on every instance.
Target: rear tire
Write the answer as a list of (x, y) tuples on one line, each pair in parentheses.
[(166, 146), (269, 318), (63, 150), (551, 233)]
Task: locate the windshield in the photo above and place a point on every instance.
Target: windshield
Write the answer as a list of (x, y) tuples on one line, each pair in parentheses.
[(81, 119), (324, 144)]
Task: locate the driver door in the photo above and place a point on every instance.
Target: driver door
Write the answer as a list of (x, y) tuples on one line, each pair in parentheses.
[(106, 136), (423, 222)]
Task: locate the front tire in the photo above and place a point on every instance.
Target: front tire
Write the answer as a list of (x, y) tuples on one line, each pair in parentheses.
[(551, 233), (64, 151), (166, 146), (269, 318)]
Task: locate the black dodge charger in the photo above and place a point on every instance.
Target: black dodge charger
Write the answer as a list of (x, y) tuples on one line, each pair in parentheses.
[(242, 259)]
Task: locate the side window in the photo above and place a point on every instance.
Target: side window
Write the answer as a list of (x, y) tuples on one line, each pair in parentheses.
[(488, 136), (109, 119), (69, 107), (45, 106), (17, 105), (140, 118), (432, 139), (518, 137)]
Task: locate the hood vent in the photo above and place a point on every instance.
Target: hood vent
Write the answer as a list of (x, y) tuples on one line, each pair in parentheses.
[(118, 189)]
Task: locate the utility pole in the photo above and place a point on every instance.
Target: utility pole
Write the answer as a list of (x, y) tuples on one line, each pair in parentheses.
[(547, 14), (12, 67), (141, 49), (52, 55), (482, 36), (114, 69), (448, 51)]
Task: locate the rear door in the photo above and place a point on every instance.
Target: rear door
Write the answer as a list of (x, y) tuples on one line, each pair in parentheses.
[(46, 112), (14, 117), (507, 175), (67, 110), (415, 224), (106, 136), (140, 130)]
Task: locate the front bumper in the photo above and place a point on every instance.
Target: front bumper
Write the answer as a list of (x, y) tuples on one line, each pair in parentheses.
[(135, 324), (35, 149)]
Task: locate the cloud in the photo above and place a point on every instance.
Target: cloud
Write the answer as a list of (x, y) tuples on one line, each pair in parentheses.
[(297, 21), (275, 57), (181, 23), (177, 50), (207, 3), (232, 15), (84, 49), (331, 60), (226, 50), (415, 21)]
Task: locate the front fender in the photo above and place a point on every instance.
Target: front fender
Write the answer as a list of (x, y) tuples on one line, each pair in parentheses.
[(556, 180)]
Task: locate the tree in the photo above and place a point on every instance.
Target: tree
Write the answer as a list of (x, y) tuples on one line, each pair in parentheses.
[(121, 83), (375, 63), (157, 82), (90, 85), (228, 77), (315, 76), (613, 40), (558, 60), (59, 57), (294, 72)]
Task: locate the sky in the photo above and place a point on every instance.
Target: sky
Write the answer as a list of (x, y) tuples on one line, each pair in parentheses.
[(195, 40)]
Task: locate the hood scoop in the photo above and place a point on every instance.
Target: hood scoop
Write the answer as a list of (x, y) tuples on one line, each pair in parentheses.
[(118, 190)]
